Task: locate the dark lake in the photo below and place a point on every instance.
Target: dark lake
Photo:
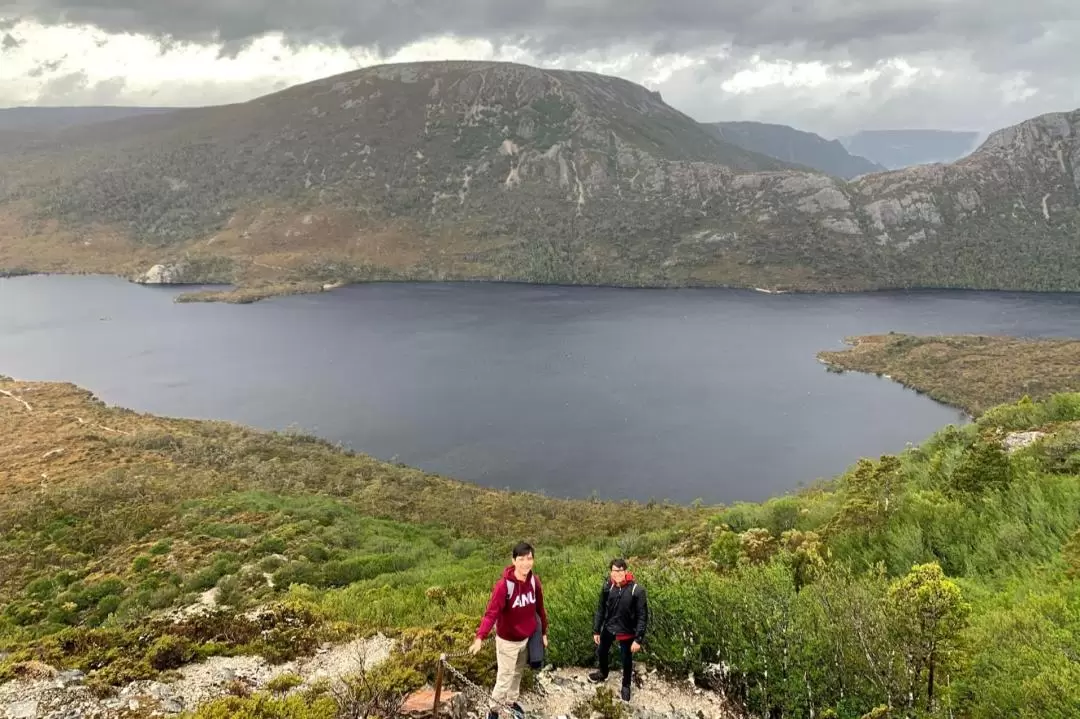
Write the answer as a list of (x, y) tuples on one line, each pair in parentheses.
[(673, 394)]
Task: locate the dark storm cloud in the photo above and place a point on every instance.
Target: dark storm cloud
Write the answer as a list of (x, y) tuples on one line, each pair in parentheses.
[(859, 29), (982, 48)]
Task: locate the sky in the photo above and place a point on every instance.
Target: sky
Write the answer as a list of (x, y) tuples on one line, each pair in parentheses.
[(828, 66)]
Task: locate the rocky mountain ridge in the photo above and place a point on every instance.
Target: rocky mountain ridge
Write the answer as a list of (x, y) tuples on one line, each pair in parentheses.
[(47, 119), (788, 144), (498, 171)]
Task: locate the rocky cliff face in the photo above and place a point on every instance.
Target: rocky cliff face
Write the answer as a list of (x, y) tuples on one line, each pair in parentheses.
[(500, 171)]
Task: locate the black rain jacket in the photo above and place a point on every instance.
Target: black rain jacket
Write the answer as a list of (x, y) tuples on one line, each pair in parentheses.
[(622, 610)]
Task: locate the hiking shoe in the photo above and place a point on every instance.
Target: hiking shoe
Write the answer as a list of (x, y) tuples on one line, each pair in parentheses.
[(626, 694), (518, 711), (597, 676), (492, 714)]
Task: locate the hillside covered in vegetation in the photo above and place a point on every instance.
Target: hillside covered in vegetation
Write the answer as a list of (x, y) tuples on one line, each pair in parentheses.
[(502, 171), (938, 582)]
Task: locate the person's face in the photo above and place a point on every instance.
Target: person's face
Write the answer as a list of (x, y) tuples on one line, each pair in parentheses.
[(524, 564), (618, 575)]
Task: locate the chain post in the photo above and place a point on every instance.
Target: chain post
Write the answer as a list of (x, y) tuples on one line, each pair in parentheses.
[(438, 687)]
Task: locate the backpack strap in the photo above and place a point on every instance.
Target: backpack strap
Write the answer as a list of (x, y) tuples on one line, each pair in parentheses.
[(510, 587)]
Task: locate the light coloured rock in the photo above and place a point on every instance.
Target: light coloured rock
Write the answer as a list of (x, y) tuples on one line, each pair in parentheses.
[(654, 698), (891, 212), (913, 239), (748, 182), (829, 198), (561, 690), (23, 710), (884, 212), (798, 183), (347, 659), (968, 199), (172, 706), (166, 274), (843, 225), (1019, 440)]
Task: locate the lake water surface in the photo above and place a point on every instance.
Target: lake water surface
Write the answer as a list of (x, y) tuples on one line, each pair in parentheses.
[(673, 394)]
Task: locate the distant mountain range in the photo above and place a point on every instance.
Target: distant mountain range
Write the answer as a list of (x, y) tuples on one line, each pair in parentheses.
[(476, 170), (795, 146), (896, 149), (49, 119)]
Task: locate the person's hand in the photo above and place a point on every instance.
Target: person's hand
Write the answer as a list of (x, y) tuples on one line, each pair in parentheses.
[(635, 648), (596, 639), (474, 648), (545, 641)]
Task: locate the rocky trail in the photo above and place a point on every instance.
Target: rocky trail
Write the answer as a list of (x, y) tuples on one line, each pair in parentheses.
[(47, 693)]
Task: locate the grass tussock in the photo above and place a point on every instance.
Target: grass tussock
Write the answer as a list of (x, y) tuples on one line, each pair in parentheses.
[(254, 293)]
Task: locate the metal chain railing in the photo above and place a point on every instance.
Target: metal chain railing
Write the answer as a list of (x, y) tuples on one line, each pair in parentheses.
[(481, 695)]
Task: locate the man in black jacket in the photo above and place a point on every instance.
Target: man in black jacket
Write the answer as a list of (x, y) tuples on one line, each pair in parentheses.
[(621, 616)]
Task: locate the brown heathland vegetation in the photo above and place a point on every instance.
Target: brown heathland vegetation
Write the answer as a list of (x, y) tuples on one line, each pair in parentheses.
[(974, 373)]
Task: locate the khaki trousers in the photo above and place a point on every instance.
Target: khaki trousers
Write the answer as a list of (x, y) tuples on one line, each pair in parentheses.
[(510, 658)]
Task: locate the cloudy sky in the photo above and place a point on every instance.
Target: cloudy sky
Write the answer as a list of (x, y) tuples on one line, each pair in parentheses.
[(829, 66)]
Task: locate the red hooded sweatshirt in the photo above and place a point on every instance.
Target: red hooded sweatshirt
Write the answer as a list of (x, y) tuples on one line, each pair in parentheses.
[(513, 608)]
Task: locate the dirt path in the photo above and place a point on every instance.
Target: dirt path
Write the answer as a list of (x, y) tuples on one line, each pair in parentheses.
[(62, 695)]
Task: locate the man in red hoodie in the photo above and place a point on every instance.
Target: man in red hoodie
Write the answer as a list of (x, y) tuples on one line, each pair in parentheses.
[(517, 600), (622, 616)]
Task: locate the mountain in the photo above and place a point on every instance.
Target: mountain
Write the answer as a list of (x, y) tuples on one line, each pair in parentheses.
[(466, 170), (59, 118), (896, 149), (795, 146)]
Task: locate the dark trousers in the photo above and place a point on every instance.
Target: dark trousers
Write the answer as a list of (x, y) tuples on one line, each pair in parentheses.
[(606, 640)]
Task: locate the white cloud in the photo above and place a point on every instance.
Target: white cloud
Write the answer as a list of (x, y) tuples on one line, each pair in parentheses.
[(68, 64)]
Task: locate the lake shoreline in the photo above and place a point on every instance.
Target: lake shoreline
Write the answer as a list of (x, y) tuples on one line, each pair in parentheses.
[(251, 292), (969, 372)]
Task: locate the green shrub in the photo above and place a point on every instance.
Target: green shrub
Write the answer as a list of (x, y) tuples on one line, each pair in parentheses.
[(602, 703), (263, 706), (223, 564), (169, 652), (343, 573), (314, 552), (229, 592), (725, 550), (41, 589), (271, 564), (270, 545), (464, 548), (298, 573), (284, 683)]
